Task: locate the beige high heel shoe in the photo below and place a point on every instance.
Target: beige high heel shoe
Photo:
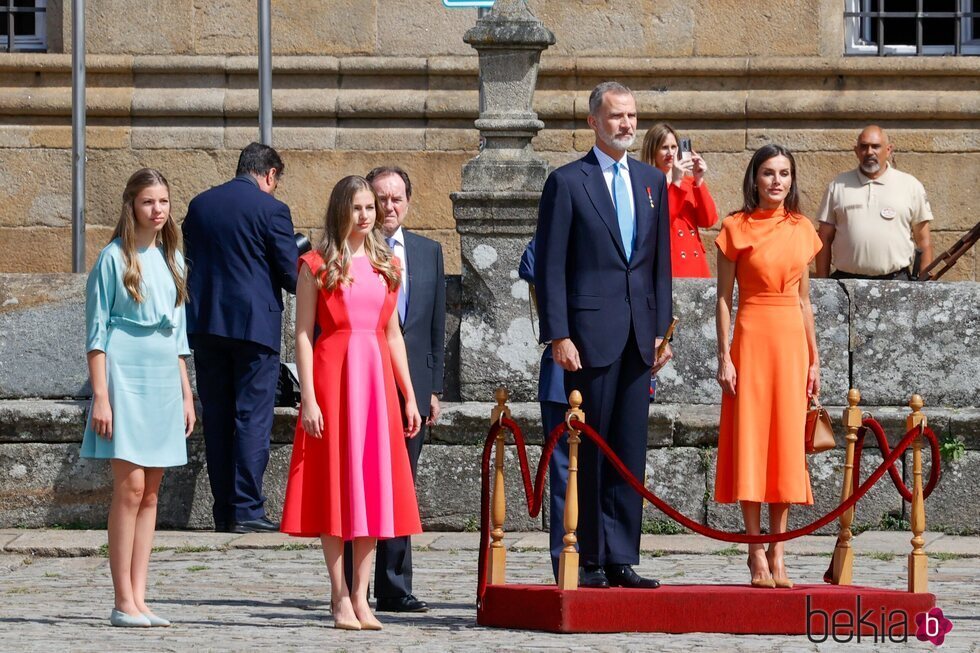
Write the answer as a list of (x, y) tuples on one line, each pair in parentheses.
[(784, 583), (759, 582), (343, 624)]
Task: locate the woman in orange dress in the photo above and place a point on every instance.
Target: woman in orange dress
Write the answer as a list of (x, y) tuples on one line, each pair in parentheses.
[(771, 366), (691, 205)]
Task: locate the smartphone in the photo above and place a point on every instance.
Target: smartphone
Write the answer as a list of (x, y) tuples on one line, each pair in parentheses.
[(683, 149)]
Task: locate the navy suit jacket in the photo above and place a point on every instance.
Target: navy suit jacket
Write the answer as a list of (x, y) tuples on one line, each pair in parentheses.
[(551, 377), (424, 327), (587, 290), (241, 254)]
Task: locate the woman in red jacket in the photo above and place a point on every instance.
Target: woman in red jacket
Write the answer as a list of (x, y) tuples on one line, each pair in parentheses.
[(691, 205)]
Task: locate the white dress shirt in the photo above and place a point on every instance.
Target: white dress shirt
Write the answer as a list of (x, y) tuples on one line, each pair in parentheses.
[(399, 251), (606, 163)]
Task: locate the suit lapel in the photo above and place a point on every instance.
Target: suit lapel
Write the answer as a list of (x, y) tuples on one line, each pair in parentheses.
[(410, 262), (598, 192), (642, 200)]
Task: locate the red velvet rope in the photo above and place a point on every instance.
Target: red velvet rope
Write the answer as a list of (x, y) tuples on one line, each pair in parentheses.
[(535, 494), (871, 424)]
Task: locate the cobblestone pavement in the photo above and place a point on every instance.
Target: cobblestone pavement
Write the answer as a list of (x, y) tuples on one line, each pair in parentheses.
[(268, 592)]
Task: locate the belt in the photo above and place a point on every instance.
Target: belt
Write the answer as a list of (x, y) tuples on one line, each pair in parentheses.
[(902, 274)]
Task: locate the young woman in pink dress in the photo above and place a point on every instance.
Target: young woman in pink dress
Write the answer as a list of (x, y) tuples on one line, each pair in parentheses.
[(350, 477)]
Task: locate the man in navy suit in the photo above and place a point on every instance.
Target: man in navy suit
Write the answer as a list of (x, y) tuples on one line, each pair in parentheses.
[(241, 255), (422, 313), (604, 300)]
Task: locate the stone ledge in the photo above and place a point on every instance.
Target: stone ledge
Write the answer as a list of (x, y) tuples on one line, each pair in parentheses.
[(467, 423), (551, 65)]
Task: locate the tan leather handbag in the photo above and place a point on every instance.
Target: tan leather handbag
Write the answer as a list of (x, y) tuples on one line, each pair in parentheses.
[(819, 429)]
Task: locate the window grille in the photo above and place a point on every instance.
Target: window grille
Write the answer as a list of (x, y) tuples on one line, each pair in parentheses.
[(911, 27), (23, 27)]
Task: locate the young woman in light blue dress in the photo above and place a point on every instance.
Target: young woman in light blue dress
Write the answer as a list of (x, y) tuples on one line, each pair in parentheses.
[(142, 410)]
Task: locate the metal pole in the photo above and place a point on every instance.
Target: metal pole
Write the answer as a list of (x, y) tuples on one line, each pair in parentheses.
[(78, 136), (480, 13), (10, 25), (265, 73)]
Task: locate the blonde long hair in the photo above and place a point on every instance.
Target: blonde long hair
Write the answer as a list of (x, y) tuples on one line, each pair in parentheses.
[(337, 226), (169, 237)]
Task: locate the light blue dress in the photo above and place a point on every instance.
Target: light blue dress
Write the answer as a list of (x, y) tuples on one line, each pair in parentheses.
[(142, 343)]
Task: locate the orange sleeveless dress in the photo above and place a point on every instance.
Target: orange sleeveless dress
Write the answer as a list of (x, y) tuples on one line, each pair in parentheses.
[(760, 442)]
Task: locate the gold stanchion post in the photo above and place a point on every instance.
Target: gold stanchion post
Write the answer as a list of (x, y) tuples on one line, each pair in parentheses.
[(918, 563), (498, 554), (568, 561), (843, 552)]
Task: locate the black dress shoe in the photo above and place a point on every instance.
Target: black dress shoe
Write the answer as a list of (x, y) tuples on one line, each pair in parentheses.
[(260, 525), (624, 576), (592, 576), (406, 603)]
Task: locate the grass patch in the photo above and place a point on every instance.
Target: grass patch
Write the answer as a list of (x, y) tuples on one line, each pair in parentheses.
[(882, 555), (472, 525), (193, 549), (198, 568), (894, 521), (940, 555), (293, 546), (104, 551), (661, 527), (19, 590), (77, 526), (951, 449), (949, 530), (730, 551), (657, 553), (51, 574)]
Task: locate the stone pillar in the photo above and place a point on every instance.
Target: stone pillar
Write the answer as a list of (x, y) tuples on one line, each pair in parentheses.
[(496, 210)]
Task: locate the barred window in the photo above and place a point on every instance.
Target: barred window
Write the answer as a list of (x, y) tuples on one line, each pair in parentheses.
[(911, 27), (26, 20)]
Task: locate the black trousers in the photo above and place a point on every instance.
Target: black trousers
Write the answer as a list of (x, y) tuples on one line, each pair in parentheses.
[(236, 382), (616, 401), (393, 565)]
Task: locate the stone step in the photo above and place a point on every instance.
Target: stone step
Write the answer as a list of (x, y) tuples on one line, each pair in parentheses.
[(43, 482)]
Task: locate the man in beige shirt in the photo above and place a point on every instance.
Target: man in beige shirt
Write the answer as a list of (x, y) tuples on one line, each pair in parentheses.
[(873, 218)]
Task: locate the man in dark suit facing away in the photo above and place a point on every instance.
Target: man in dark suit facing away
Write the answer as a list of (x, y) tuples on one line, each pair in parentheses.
[(604, 301), (241, 255), (422, 313)]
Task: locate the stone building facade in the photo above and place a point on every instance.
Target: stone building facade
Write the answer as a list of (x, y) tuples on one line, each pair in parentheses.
[(173, 84), (358, 84)]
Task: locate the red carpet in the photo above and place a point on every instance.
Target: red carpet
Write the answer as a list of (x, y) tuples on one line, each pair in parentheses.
[(739, 609)]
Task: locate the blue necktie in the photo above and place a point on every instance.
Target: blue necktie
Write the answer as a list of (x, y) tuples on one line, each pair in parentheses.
[(402, 287), (623, 211)]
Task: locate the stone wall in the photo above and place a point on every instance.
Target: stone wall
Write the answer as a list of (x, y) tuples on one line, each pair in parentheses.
[(889, 339), (362, 83)]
